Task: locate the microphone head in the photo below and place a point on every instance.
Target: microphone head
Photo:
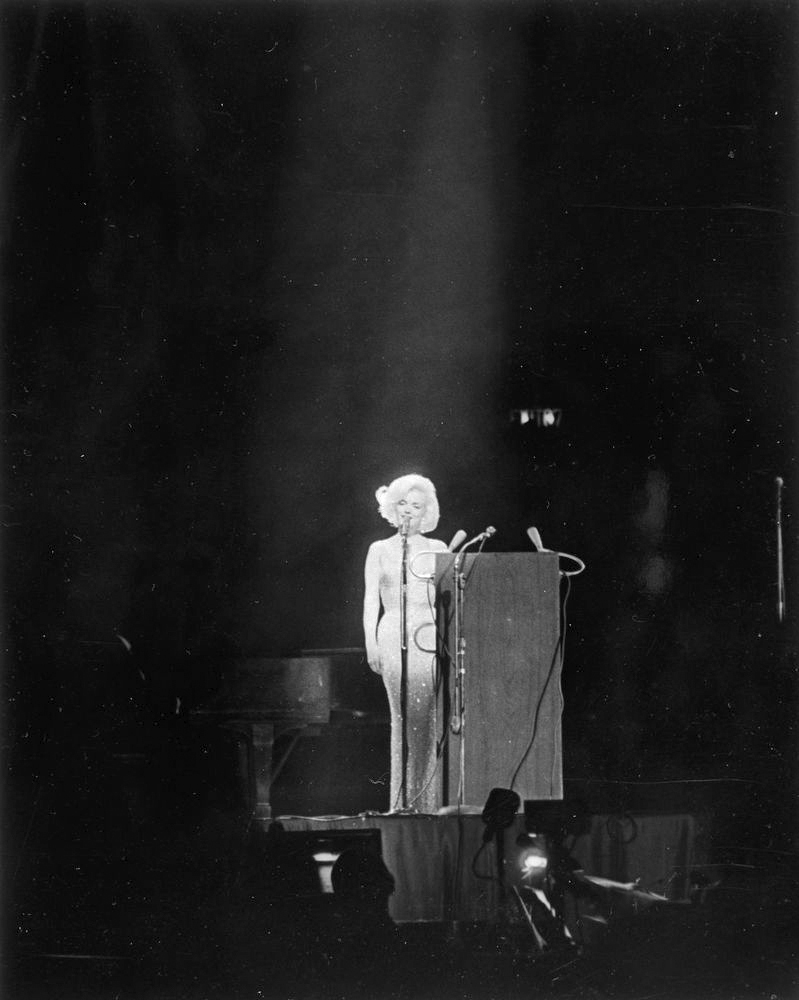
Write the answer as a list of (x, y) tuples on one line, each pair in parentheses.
[(490, 530), (535, 537), (458, 539)]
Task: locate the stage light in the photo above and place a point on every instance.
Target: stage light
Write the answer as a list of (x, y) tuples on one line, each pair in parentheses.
[(540, 416), (527, 864), (324, 861)]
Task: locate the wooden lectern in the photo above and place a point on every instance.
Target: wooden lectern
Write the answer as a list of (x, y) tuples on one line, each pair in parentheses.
[(505, 719)]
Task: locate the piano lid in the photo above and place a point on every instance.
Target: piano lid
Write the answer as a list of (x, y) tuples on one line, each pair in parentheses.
[(306, 688)]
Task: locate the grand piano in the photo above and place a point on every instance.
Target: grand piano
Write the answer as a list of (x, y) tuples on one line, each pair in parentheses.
[(300, 712)]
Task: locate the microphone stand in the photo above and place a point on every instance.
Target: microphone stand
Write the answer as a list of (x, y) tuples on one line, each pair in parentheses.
[(456, 724), (404, 659), (460, 645), (780, 572), (458, 714)]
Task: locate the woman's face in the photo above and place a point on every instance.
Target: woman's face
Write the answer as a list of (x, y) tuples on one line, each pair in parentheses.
[(412, 506)]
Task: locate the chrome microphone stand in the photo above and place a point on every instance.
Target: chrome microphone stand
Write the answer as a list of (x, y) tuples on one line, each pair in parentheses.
[(404, 657), (780, 572), (459, 708), (456, 724)]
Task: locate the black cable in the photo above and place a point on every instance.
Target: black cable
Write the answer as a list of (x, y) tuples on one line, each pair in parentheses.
[(556, 655), (475, 872)]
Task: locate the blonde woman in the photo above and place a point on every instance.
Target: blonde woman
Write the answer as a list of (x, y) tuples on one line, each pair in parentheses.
[(410, 505)]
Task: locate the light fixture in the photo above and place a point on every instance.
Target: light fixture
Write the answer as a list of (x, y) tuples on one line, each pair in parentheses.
[(527, 864), (539, 416)]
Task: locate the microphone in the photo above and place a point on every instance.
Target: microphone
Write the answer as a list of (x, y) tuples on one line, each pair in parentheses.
[(482, 537), (535, 537), (457, 538), (404, 526)]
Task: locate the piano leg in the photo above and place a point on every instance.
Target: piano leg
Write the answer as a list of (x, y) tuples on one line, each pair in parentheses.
[(262, 738), (255, 742)]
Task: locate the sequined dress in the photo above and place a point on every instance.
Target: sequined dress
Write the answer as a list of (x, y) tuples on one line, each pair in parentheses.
[(423, 782)]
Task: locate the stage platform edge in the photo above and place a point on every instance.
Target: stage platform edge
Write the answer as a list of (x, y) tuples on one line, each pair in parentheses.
[(445, 873)]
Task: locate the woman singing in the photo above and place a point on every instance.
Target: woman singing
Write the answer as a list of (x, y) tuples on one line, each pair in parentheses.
[(410, 505)]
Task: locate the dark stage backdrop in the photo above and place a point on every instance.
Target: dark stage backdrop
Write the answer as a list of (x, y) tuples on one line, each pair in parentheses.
[(261, 258)]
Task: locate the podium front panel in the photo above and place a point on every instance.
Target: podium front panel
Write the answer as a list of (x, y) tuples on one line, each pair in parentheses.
[(511, 695)]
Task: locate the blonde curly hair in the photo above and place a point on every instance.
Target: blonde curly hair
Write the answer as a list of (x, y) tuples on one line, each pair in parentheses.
[(389, 496)]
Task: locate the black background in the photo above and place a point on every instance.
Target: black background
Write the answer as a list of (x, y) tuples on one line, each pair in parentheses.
[(260, 259)]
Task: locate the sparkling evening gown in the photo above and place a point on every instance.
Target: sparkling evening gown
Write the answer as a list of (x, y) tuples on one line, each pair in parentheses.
[(423, 783)]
